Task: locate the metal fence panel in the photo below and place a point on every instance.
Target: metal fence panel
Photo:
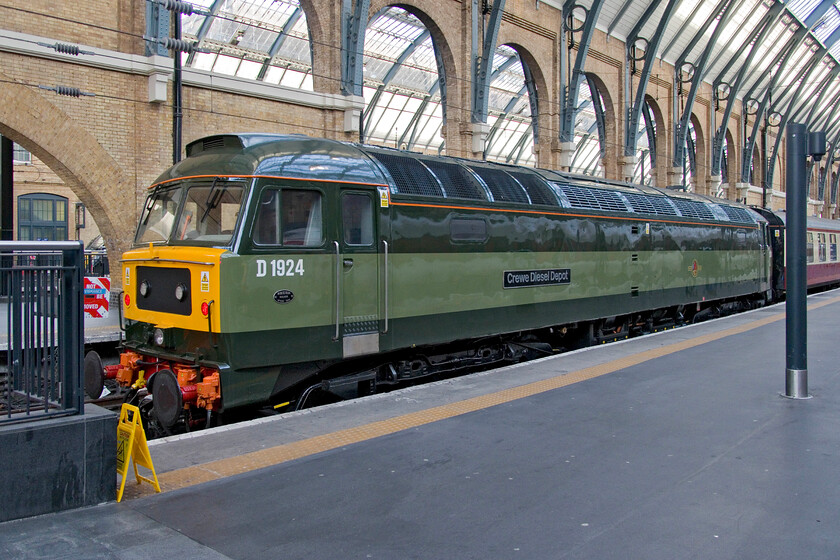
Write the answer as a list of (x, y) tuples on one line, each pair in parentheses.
[(44, 328)]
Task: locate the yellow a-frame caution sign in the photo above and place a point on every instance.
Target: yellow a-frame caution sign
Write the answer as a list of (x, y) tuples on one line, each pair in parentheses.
[(131, 443)]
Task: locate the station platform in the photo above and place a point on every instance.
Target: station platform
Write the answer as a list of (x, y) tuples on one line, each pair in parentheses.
[(675, 445)]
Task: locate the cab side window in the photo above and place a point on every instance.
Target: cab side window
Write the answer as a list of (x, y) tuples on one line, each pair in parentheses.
[(357, 219), (289, 217)]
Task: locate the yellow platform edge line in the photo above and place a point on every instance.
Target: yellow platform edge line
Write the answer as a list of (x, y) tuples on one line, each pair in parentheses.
[(214, 470)]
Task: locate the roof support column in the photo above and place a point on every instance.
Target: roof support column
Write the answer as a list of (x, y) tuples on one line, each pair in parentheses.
[(725, 92), (353, 22), (569, 91), (482, 66), (698, 72), (792, 111), (651, 48)]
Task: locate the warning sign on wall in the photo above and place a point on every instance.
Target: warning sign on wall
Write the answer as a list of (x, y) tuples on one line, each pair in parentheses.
[(97, 295)]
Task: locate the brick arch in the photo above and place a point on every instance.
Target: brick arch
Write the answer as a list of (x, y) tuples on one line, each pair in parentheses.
[(543, 147), (758, 171), (701, 170), (662, 142), (611, 150), (431, 15), (732, 167), (324, 59), (74, 154)]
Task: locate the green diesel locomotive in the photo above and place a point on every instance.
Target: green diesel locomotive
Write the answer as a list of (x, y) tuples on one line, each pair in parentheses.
[(267, 267)]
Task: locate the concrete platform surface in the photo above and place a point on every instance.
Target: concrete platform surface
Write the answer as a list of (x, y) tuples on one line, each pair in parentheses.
[(677, 445)]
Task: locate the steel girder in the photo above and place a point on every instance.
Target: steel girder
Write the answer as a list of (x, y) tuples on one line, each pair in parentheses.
[(568, 94), (579, 149), (793, 111), (157, 27), (782, 60), (651, 132), (719, 9), (830, 86), (829, 163), (392, 72), (518, 148), (828, 118), (758, 36), (415, 119), (598, 108), (278, 42), (618, 17), (205, 26), (749, 146), (725, 10), (494, 129), (832, 199), (483, 63), (353, 23), (533, 102), (634, 112)]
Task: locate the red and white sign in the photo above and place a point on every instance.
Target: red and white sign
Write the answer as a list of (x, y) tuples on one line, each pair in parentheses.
[(97, 296)]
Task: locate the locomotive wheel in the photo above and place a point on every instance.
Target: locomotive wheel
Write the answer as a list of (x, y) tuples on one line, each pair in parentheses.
[(94, 375), (168, 401)]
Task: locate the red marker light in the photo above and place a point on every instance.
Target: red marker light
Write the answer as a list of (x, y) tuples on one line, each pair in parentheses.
[(205, 308), (127, 300)]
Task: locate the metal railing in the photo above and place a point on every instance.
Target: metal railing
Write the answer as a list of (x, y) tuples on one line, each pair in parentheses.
[(44, 330), (96, 263)]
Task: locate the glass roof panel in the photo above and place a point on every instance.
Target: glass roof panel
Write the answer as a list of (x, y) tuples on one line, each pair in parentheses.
[(248, 30), (242, 34), (762, 71), (733, 39)]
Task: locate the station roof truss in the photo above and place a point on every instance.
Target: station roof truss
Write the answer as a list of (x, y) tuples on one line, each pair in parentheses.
[(781, 60)]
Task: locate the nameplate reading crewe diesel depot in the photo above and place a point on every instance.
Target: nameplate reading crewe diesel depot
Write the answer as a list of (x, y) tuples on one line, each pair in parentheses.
[(532, 278)]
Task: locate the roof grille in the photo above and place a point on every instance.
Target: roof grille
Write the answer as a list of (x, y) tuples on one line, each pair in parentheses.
[(503, 186), (537, 190), (693, 209), (213, 142), (596, 199), (458, 181), (738, 214), (644, 204), (410, 176)]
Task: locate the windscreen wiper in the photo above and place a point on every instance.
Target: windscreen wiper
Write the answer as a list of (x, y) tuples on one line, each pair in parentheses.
[(150, 202), (213, 198)]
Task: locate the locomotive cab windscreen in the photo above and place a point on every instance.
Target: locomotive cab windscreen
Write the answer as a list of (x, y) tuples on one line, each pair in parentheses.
[(192, 213)]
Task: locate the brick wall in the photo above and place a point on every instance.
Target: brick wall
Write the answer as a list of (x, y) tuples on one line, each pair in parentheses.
[(107, 149)]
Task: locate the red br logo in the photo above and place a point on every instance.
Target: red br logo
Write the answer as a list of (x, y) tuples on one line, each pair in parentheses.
[(694, 268)]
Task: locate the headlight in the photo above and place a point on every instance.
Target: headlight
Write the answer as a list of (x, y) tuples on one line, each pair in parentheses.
[(180, 292), (159, 337), (145, 288)]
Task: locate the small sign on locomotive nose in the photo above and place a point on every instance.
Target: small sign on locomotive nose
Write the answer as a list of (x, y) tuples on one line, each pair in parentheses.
[(283, 296)]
